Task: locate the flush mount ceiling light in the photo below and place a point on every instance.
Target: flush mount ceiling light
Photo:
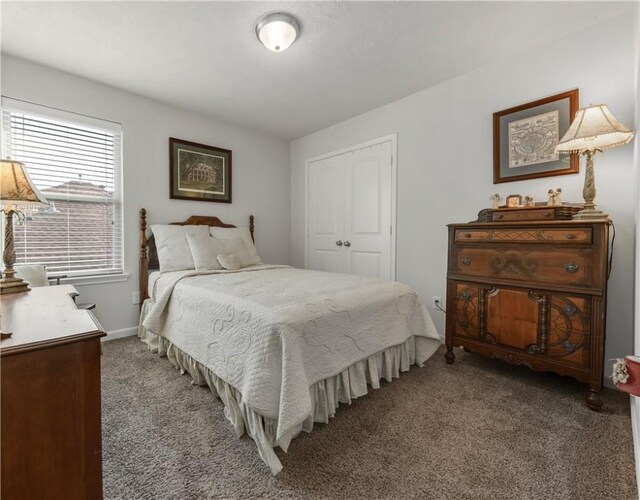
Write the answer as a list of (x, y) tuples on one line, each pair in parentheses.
[(277, 31)]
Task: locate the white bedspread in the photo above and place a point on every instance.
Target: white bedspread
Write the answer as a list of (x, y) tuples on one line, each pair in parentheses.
[(273, 331)]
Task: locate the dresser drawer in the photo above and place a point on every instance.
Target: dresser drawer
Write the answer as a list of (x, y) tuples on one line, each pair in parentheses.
[(570, 267), (580, 235), (524, 215), (560, 235)]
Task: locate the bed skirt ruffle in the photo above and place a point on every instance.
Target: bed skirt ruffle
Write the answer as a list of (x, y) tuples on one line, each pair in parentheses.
[(325, 394)]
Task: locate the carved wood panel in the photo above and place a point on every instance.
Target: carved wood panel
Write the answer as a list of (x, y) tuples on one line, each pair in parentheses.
[(569, 328), (513, 318), (466, 304)]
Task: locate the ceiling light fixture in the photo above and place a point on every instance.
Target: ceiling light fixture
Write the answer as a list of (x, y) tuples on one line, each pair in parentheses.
[(277, 31)]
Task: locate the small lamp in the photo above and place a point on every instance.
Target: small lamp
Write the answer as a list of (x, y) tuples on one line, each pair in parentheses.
[(17, 193), (593, 129)]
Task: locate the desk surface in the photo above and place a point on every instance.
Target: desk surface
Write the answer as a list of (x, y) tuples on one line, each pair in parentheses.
[(43, 317)]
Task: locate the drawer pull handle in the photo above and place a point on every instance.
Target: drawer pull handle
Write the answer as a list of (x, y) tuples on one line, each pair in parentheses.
[(466, 261), (571, 267), (570, 236), (467, 235)]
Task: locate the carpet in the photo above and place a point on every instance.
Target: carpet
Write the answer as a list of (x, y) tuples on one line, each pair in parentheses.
[(479, 429)]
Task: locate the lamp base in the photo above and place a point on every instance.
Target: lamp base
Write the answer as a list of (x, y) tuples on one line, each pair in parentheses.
[(590, 214), (13, 285)]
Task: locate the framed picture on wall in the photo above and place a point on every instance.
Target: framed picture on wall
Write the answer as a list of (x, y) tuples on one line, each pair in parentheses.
[(199, 172), (525, 136)]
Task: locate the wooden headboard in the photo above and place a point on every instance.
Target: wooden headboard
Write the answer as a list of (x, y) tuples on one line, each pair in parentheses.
[(149, 253)]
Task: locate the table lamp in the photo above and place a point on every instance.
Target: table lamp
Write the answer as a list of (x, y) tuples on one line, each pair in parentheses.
[(17, 193), (593, 129)]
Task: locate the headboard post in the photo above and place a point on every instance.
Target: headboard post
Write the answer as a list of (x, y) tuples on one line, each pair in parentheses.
[(251, 220), (143, 266)]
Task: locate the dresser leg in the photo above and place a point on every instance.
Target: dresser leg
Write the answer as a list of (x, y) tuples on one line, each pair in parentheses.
[(594, 400), (449, 356)]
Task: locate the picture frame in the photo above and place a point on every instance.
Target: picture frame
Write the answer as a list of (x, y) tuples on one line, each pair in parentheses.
[(513, 201), (198, 172), (525, 136)]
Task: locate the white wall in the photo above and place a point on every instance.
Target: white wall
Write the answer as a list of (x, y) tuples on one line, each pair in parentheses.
[(260, 170), (445, 157)]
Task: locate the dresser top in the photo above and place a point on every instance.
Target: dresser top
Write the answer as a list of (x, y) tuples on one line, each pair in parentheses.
[(531, 223), (44, 317)]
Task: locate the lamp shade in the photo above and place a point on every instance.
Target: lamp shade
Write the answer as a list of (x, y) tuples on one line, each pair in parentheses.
[(594, 128), (277, 31), (16, 188)]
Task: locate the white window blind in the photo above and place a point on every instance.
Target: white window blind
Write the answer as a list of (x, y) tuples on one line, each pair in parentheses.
[(75, 161)]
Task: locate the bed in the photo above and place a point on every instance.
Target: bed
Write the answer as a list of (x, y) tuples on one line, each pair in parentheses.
[(281, 347)]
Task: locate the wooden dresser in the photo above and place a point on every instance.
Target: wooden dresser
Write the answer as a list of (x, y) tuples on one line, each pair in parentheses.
[(531, 293), (50, 401)]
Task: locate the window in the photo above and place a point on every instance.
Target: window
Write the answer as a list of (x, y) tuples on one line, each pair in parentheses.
[(75, 161)]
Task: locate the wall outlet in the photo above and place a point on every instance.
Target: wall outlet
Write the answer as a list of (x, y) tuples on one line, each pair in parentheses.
[(436, 302), (135, 298)]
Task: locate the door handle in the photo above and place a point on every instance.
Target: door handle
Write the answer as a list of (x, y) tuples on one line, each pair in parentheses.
[(347, 243), (339, 243)]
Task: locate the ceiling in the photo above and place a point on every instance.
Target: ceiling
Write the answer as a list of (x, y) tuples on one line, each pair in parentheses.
[(351, 57)]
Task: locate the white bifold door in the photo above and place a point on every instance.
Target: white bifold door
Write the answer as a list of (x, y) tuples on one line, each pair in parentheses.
[(350, 212)]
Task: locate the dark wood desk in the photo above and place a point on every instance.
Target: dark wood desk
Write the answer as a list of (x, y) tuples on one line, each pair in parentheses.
[(50, 401)]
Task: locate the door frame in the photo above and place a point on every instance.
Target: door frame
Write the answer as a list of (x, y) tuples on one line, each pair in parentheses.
[(393, 138)]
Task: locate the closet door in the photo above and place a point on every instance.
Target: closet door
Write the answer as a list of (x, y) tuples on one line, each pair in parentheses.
[(325, 212), (367, 215), (349, 212)]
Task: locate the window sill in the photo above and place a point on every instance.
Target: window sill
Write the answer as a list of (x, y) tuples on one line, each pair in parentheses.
[(92, 280)]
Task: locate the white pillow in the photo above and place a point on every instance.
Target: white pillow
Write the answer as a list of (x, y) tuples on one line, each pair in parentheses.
[(174, 253), (223, 233), (205, 250), (238, 248), (230, 262)]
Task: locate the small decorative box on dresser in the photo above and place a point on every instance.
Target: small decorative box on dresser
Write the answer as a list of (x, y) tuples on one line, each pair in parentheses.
[(531, 293), (50, 401)]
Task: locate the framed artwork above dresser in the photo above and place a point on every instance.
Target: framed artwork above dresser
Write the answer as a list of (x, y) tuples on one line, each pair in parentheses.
[(531, 293), (525, 137)]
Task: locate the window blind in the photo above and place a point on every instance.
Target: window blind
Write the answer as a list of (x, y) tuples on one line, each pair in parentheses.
[(76, 163)]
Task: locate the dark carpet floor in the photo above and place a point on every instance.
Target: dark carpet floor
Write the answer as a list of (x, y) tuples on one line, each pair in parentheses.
[(480, 429)]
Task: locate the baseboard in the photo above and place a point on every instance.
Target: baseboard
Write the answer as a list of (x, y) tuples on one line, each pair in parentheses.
[(118, 334), (635, 426)]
